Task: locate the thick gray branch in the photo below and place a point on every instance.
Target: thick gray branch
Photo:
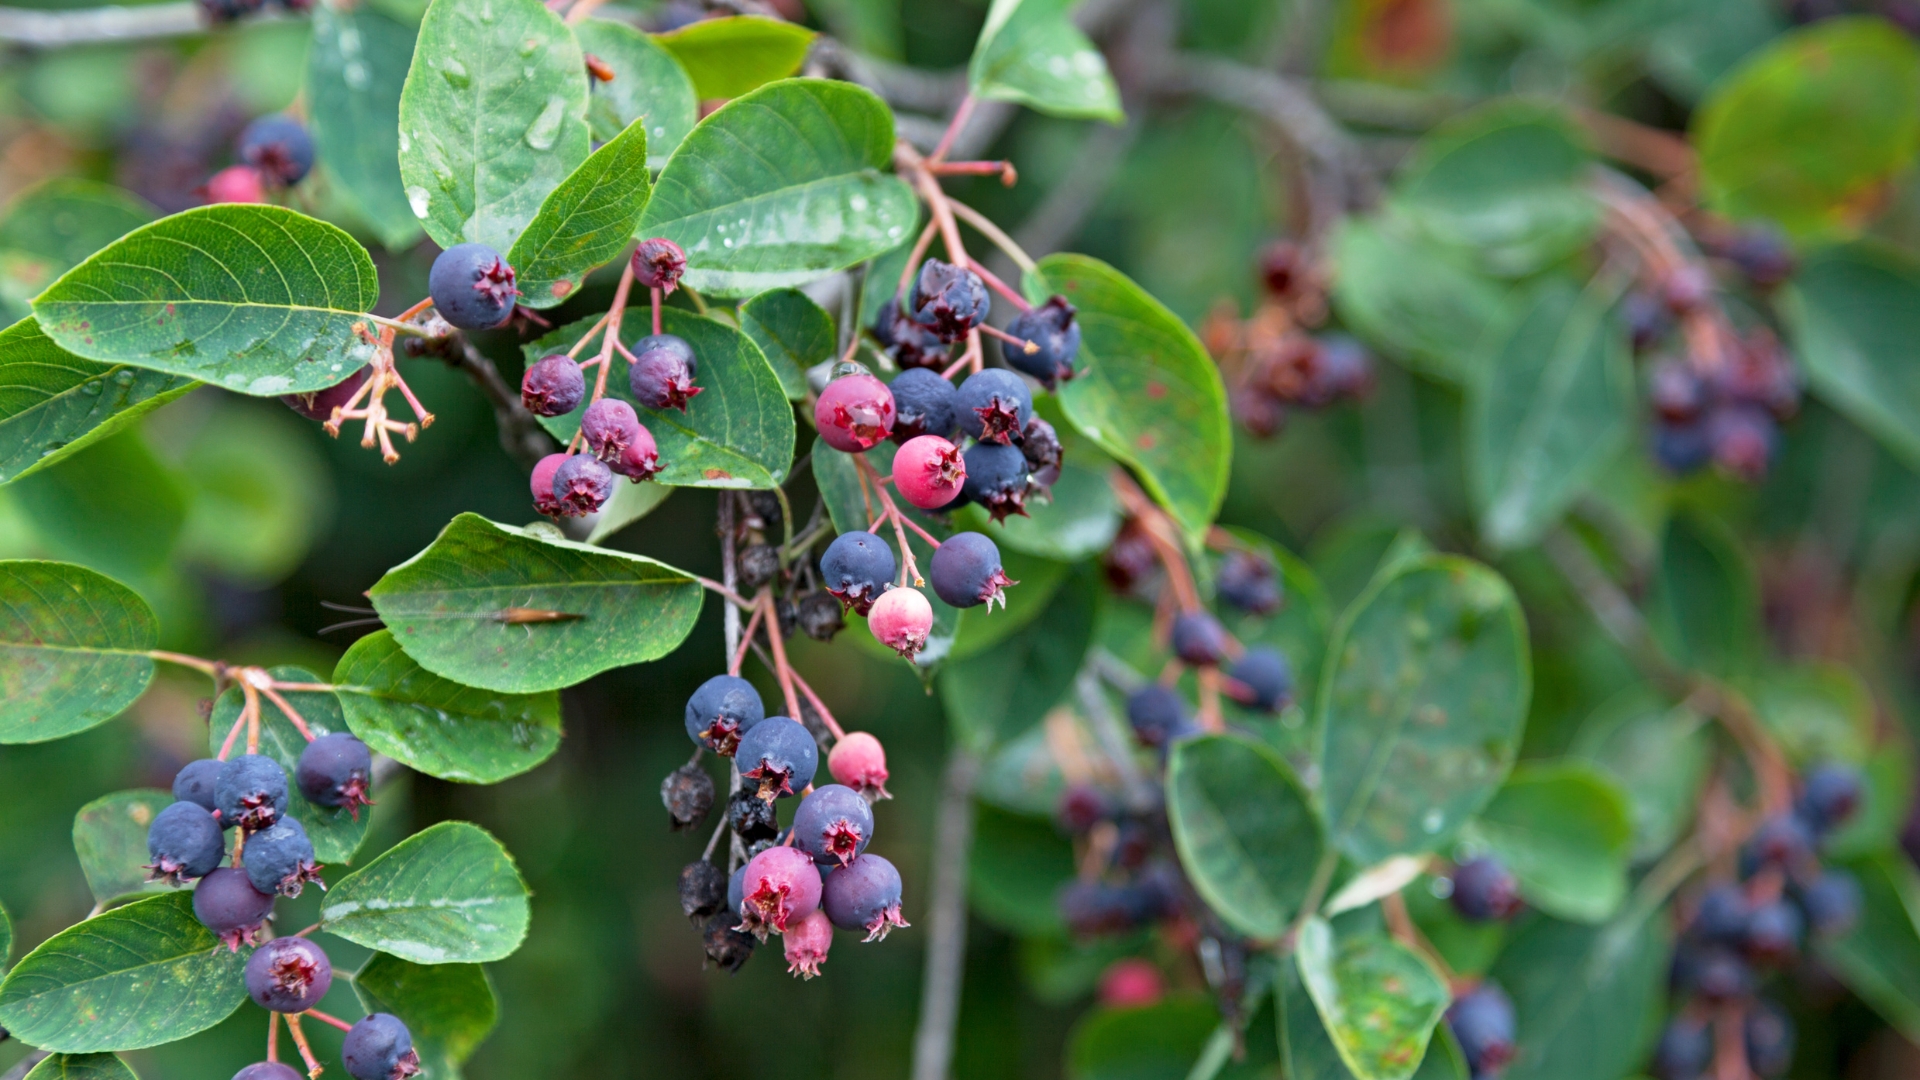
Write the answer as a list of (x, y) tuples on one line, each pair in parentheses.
[(86, 26), (946, 921), (24, 1065), (521, 435)]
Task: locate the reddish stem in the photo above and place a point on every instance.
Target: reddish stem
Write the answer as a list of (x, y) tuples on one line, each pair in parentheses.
[(913, 257), (961, 114), (333, 1021), (826, 716), (780, 668), (657, 297), (314, 1068), (993, 282), (299, 723), (746, 639), (273, 1036)]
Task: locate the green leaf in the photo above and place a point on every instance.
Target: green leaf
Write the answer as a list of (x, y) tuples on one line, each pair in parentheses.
[(51, 227), (136, 976), (1658, 754), (1880, 958), (1705, 607), (448, 1008), (113, 506), (732, 56), (1151, 1042), (1587, 998), (1030, 52), (793, 333), (1016, 867), (1854, 312), (1550, 406), (1307, 1052), (1565, 831), (997, 694), (448, 894), (630, 503), (336, 833), (73, 649), (438, 726), (110, 837), (1421, 707), (782, 186), (256, 299), (736, 433), (444, 607), (356, 68), (1378, 1000), (1816, 712), (53, 403), (1414, 299), (1148, 393), (584, 223), (81, 1067), (1808, 130), (980, 629), (647, 82), (259, 493), (492, 118), (1245, 829), (6, 937)]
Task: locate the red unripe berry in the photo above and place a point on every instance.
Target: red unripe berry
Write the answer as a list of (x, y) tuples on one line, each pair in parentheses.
[(544, 499), (781, 887), (1131, 984), (609, 426), (854, 412), (641, 458), (900, 620), (807, 944), (928, 471), (658, 264), (860, 762), (236, 184)]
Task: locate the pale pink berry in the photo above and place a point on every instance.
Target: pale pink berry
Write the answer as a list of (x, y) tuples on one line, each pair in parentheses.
[(781, 887), (807, 943), (236, 184), (860, 762), (544, 499), (900, 620), (1130, 984), (928, 471)]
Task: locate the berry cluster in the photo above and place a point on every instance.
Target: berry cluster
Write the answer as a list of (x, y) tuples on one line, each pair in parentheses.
[(1273, 365), (1740, 929), (275, 151)]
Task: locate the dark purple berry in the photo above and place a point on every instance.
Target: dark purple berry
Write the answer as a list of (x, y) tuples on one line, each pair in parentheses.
[(737, 890), (687, 793), (379, 1047), (1485, 889), (279, 858), (1770, 1038), (1647, 320), (1081, 807), (278, 146), (1722, 915), (856, 568), (1040, 445), (472, 287), (864, 895), (1158, 715), (750, 817), (1830, 796), (1685, 1050), (1774, 931), (1482, 1020), (1744, 439), (226, 903), (996, 479), (1051, 327), (195, 782), (1262, 679), (1762, 254), (949, 300), (581, 485), (703, 890), (729, 949), (251, 791), (910, 344), (820, 616), (721, 711), (1199, 639), (336, 770), (185, 842), (319, 404), (923, 404), (1832, 903), (609, 427), (1097, 908), (1249, 582), (1682, 448), (993, 406), (553, 387), (663, 371), (1715, 973), (854, 412), (658, 264), (781, 754), (288, 975), (965, 571), (833, 825), (1341, 368), (1686, 288), (1675, 391), (269, 1070), (1782, 840)]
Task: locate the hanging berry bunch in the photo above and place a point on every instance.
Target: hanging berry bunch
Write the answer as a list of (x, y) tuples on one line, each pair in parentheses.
[(1272, 360)]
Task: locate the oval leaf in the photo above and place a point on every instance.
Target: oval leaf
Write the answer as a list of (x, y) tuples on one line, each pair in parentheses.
[(448, 1008), (1413, 298), (51, 227), (110, 837), (114, 506), (81, 1067), (1152, 1042), (1148, 393), (436, 725), (1246, 833), (736, 55), (1585, 997), (1308, 1053), (1378, 1000), (53, 403), (793, 333), (136, 976), (1705, 604), (336, 832), (1029, 51), (1855, 317), (1565, 832), (585, 222), (996, 695), (1421, 706), (73, 649), (356, 68), (1657, 753), (783, 186), (492, 118), (1879, 959), (445, 606), (647, 82), (448, 894), (257, 299)]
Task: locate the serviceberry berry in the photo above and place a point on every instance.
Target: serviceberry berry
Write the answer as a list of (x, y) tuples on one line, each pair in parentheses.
[(965, 571), (820, 616), (226, 903), (1040, 444), (472, 287), (1130, 560), (728, 948), (663, 371), (641, 458), (544, 499), (185, 842), (1722, 915), (854, 412), (195, 782), (658, 264), (1744, 439), (581, 485), (1686, 288), (907, 342), (235, 184), (1832, 903), (278, 146), (1646, 318), (609, 427), (269, 1070), (1158, 715), (929, 472), (750, 817), (901, 620), (251, 791), (856, 566), (379, 1047), (1762, 254), (781, 887), (721, 711), (807, 942), (1342, 368), (781, 754), (1715, 973), (1261, 679), (1484, 889), (687, 793), (1095, 908), (833, 825), (553, 387), (279, 858), (993, 405), (949, 300), (288, 975), (1482, 1020), (996, 479), (1199, 639), (1774, 931), (1685, 1050), (1782, 840), (737, 885), (319, 404), (1082, 806), (1769, 1038), (1829, 797), (1051, 327), (1675, 391), (923, 404), (336, 770), (864, 895), (755, 566), (860, 762), (1682, 448), (1131, 983), (1249, 582), (703, 889)]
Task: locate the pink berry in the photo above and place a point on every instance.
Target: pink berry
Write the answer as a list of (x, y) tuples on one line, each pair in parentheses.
[(928, 471), (781, 887), (807, 944), (1130, 984), (544, 499), (658, 264), (236, 184), (610, 426), (641, 458), (854, 412), (900, 620), (860, 762)]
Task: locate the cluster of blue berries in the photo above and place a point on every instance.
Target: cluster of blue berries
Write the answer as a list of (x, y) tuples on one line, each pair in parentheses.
[(275, 152)]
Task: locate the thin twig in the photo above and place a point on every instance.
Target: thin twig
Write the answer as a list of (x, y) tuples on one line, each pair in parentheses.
[(521, 435)]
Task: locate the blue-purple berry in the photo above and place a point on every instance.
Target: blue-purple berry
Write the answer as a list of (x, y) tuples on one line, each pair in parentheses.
[(1684, 1051), (1158, 715), (1199, 639), (553, 386), (251, 791), (663, 372), (780, 754), (993, 406), (379, 1047), (269, 1070), (1249, 582), (1774, 932), (864, 895), (834, 824), (336, 771), (723, 709), (997, 477), (279, 858), (1484, 889), (195, 782), (949, 300), (907, 342), (1483, 1022), (581, 485), (923, 404), (279, 147), (185, 842), (1832, 903), (472, 287), (1770, 1038), (1052, 328), (965, 571), (1830, 796), (288, 975), (226, 903), (856, 568), (1265, 680)]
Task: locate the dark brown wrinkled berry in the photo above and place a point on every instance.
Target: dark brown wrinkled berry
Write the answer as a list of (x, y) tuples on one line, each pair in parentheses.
[(688, 794), (703, 890), (751, 818), (820, 616), (729, 949), (756, 566)]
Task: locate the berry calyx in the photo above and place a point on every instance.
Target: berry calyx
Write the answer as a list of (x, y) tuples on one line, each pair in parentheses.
[(279, 859), (288, 975), (609, 426), (581, 485), (251, 791), (1051, 327), (860, 762), (658, 264), (834, 824), (226, 903), (911, 345), (553, 387), (336, 770), (779, 753), (901, 620), (279, 146), (997, 477), (965, 571), (807, 943), (864, 895), (663, 371), (472, 287), (319, 404), (948, 299), (721, 711), (379, 1047), (1199, 639), (781, 887), (923, 404), (855, 568), (929, 471), (544, 499), (993, 406), (854, 413), (1484, 889), (185, 842)]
